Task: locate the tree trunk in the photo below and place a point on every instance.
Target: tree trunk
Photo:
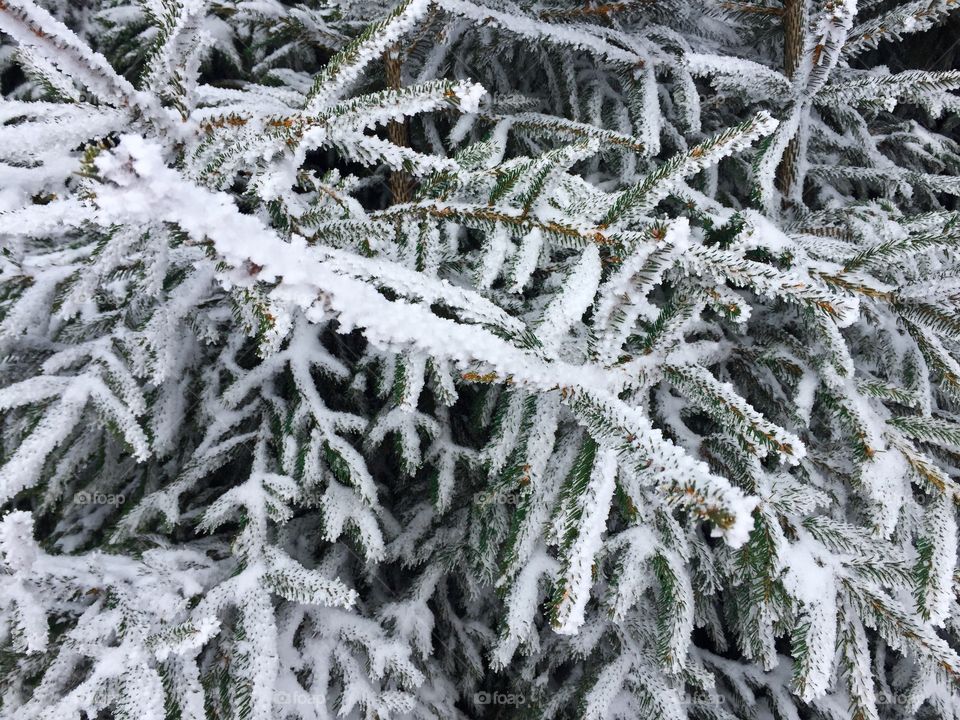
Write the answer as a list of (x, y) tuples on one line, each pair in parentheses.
[(793, 17), (401, 184)]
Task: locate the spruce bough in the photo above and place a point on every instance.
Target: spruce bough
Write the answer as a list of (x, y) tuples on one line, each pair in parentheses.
[(457, 359)]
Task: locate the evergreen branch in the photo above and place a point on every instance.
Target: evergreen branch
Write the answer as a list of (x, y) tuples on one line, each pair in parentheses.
[(906, 86), (378, 108), (898, 247), (929, 429), (932, 478), (900, 627), (940, 321), (345, 67), (647, 454), (886, 176), (584, 505), (886, 391), (733, 413), (549, 126), (769, 280), (901, 20), (33, 27), (581, 38), (639, 199), (517, 223)]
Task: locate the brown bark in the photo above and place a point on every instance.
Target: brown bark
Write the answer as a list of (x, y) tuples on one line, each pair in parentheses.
[(401, 184), (793, 17), (748, 8)]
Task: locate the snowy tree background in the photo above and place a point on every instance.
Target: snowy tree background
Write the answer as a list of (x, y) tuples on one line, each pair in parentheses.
[(479, 359)]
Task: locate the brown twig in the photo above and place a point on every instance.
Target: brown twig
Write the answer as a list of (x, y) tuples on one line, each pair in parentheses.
[(602, 11)]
